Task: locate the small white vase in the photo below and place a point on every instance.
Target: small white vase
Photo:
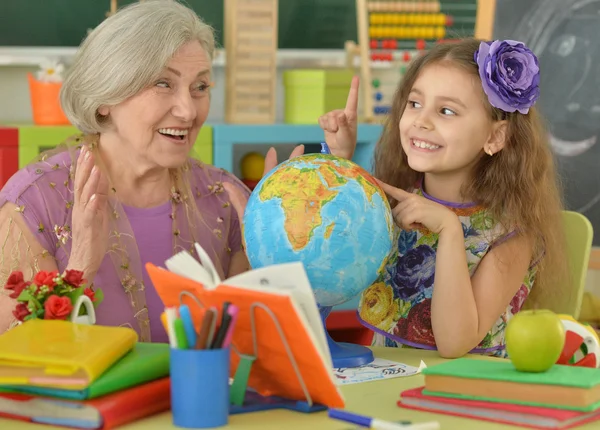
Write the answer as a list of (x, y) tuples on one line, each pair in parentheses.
[(90, 318)]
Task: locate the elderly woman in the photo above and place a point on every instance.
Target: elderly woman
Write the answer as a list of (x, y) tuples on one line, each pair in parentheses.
[(126, 192)]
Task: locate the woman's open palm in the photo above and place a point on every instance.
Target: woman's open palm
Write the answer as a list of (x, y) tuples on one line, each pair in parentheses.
[(90, 216)]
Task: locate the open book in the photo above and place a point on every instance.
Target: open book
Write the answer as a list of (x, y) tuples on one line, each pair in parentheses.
[(288, 279), (286, 292)]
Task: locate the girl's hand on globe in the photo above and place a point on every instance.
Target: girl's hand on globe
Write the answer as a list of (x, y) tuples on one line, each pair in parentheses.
[(340, 125), (414, 211), (237, 198)]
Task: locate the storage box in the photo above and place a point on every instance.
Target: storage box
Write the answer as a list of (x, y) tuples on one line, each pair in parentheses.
[(311, 93), (9, 153), (203, 147), (34, 139)]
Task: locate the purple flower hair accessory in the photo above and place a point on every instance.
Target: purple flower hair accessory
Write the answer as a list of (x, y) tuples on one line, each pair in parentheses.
[(509, 73)]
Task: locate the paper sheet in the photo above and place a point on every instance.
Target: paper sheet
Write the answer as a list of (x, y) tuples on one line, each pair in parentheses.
[(377, 370)]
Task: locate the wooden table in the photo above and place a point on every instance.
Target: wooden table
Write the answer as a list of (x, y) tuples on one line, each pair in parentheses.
[(377, 399)]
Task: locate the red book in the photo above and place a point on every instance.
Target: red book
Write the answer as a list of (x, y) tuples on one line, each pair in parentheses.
[(103, 413), (505, 413)]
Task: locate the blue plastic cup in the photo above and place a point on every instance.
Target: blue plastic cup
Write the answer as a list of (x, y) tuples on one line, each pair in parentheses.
[(200, 387)]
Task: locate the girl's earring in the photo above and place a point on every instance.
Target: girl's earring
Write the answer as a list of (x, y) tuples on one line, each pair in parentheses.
[(489, 152)]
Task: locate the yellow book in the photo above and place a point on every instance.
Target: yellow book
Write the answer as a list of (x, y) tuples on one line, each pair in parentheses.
[(60, 354)]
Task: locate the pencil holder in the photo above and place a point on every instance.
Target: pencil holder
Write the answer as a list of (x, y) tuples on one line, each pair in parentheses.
[(200, 387)]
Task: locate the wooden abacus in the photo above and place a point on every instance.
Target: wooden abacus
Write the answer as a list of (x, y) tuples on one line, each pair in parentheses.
[(251, 56), (392, 32), (113, 8)]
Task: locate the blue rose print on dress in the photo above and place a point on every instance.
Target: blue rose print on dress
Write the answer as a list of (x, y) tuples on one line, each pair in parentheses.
[(389, 343), (415, 271), (469, 230), (406, 241)]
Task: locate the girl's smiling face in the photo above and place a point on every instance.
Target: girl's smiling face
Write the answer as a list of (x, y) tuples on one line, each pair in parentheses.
[(446, 124)]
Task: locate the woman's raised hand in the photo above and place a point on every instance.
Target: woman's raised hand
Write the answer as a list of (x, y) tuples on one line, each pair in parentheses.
[(90, 216), (340, 125)]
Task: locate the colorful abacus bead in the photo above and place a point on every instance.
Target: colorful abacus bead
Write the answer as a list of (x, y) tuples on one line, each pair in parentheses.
[(389, 44), (376, 5), (420, 45), (378, 96), (381, 56), (376, 83)]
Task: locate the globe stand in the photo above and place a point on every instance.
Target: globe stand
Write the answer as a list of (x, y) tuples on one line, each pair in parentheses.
[(345, 354)]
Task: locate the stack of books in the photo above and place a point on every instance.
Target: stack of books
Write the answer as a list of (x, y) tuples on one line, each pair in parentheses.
[(96, 377), (493, 390), (82, 376)]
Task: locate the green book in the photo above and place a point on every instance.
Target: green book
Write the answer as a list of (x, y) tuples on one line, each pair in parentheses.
[(503, 370), (145, 363), (561, 387)]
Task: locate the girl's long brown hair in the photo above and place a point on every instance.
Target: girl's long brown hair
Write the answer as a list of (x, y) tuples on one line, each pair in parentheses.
[(518, 185)]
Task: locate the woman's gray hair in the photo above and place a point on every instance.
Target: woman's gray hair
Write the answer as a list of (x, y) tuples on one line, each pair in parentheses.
[(125, 54)]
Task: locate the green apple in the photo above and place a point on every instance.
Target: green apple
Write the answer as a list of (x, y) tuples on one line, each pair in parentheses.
[(534, 340)]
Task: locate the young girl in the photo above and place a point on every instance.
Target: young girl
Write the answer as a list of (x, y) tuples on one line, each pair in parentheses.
[(470, 176)]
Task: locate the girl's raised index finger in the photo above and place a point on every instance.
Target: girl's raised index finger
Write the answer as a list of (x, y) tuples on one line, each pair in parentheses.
[(352, 101)]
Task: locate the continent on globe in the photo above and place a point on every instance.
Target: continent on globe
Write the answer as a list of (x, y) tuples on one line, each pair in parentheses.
[(326, 212), (322, 181)]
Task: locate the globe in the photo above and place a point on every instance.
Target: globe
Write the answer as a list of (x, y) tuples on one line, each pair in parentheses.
[(328, 213)]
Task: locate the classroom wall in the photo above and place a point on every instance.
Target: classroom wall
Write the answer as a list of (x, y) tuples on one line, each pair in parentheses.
[(593, 282), (15, 108), (16, 62)]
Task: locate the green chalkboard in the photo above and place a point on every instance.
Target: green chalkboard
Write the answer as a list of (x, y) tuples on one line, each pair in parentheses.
[(303, 24), (65, 22)]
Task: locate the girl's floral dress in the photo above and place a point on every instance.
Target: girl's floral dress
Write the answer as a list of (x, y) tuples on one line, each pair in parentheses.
[(397, 306)]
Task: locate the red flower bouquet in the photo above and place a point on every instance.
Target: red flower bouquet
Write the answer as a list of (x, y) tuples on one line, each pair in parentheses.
[(50, 295)]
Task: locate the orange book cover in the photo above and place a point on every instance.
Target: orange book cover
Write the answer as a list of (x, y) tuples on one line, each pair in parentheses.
[(272, 372), (103, 413)]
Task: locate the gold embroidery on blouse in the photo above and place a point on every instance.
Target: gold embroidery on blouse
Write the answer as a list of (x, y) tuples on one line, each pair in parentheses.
[(122, 247)]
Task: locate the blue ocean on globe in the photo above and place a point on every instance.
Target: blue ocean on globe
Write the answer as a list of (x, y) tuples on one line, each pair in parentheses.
[(326, 212)]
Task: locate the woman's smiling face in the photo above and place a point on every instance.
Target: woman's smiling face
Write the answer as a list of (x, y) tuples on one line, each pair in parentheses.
[(160, 124)]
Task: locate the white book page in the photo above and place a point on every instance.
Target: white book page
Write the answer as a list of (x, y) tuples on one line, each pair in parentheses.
[(324, 354), (184, 264), (208, 264), (290, 279)]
